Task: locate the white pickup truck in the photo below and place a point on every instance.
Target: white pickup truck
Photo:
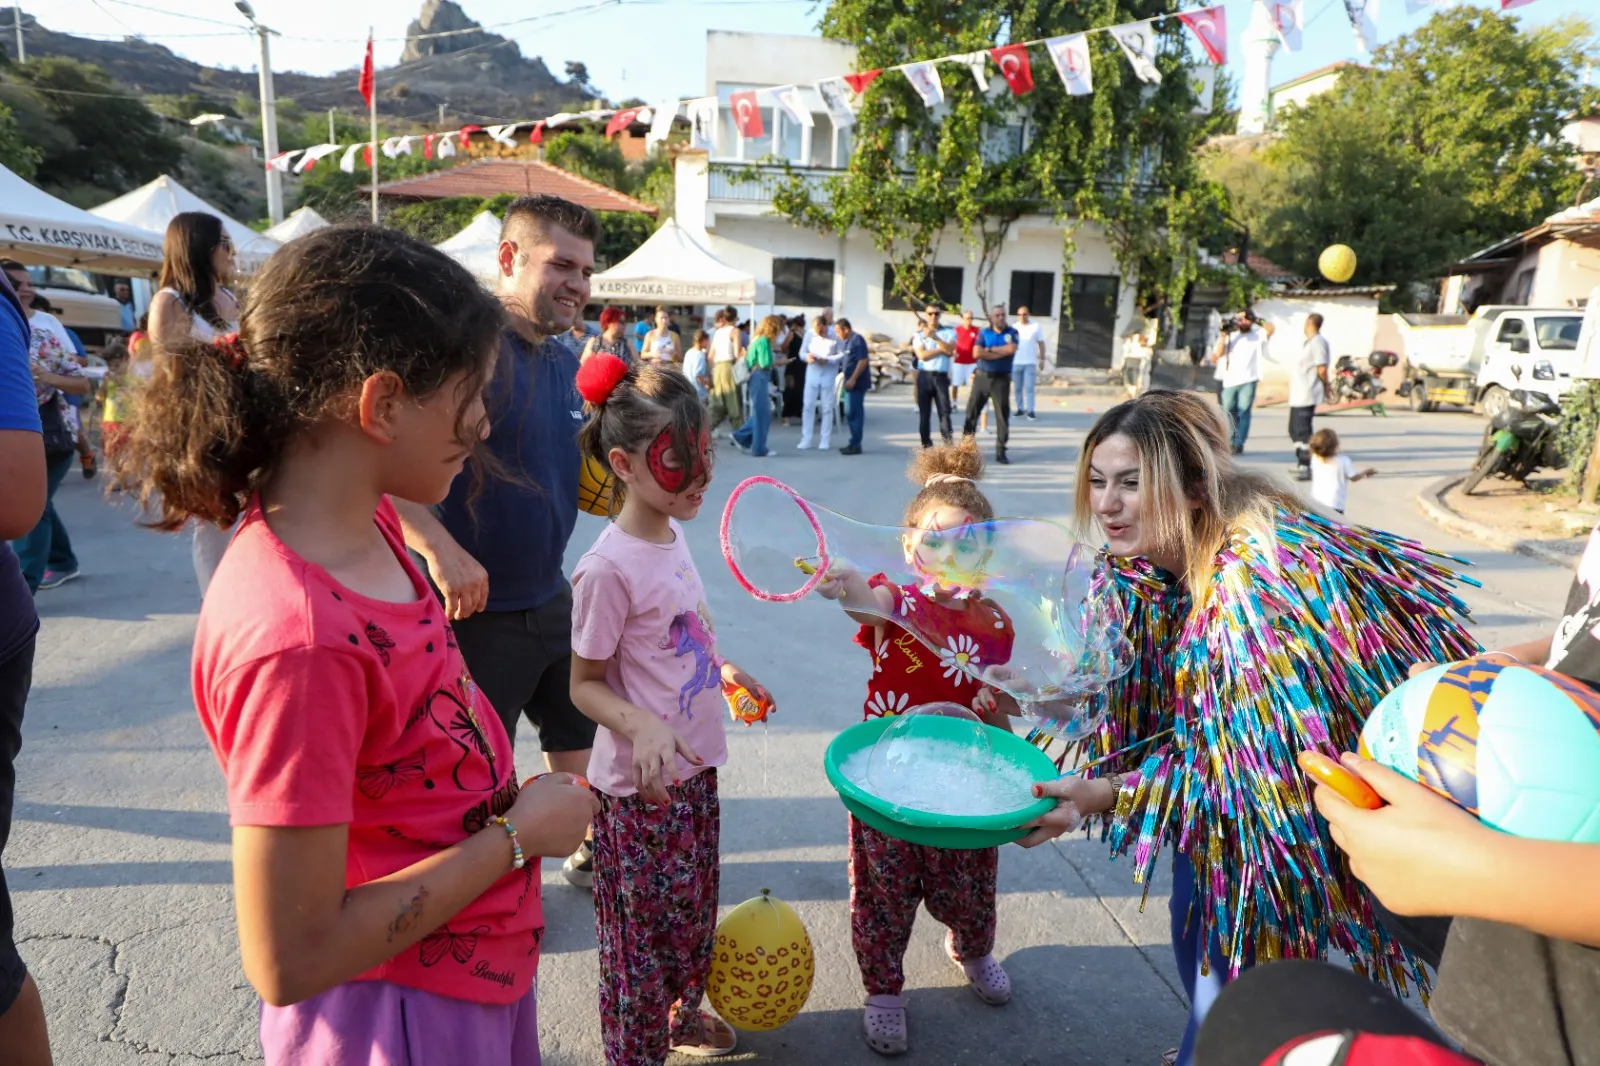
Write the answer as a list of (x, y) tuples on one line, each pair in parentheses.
[(1478, 360)]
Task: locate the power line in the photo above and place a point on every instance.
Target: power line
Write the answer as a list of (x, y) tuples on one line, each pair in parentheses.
[(173, 14)]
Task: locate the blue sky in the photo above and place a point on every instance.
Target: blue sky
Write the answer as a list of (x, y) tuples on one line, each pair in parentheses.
[(652, 49)]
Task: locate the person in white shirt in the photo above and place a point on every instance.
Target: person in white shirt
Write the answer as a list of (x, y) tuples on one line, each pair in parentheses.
[(1331, 473), (1238, 358), (821, 353), (1030, 362), (726, 346), (1308, 386)]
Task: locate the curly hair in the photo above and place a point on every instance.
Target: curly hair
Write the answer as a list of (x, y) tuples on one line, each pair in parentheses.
[(947, 476)]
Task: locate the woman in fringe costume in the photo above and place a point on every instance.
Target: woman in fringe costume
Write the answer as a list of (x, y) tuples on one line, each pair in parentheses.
[(1259, 629)]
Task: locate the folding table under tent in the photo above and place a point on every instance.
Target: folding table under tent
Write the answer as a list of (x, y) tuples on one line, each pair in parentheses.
[(674, 268), (153, 205), (40, 230)]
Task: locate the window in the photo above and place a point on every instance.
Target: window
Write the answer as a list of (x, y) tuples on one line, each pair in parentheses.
[(1035, 290), (802, 282), (1511, 327), (939, 283), (1558, 334)]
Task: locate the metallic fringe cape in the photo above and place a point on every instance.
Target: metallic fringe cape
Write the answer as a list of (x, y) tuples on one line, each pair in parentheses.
[(1294, 641)]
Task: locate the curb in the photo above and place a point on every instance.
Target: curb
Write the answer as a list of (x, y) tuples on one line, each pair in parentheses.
[(1431, 502)]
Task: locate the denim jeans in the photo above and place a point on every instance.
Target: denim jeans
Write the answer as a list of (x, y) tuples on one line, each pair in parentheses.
[(855, 414), (753, 434), (1236, 402), (1025, 375), (47, 545), (1186, 923)]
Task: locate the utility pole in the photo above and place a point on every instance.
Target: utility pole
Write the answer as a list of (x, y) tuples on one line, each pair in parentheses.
[(16, 22), (269, 113), (441, 114), (332, 137)]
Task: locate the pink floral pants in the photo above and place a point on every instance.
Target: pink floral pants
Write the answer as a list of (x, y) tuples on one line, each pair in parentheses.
[(889, 878), (656, 870)]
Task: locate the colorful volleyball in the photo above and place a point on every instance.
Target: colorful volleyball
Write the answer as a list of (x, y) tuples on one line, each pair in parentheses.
[(594, 488), (761, 965), (1516, 745)]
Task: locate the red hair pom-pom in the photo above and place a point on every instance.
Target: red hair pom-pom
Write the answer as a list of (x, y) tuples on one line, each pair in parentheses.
[(599, 375), (232, 350)]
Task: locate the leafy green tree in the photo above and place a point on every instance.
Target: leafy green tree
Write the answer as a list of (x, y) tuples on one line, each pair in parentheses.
[(589, 154), (16, 154), (104, 142), (1122, 156)]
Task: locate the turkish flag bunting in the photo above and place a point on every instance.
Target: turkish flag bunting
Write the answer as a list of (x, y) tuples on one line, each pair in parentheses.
[(366, 82), (622, 120), (1507, 5), (1210, 25), (859, 82), (536, 135), (747, 115), (466, 134), (427, 145), (366, 154), (1012, 60)]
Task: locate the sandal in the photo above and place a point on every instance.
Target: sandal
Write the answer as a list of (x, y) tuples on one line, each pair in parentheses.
[(884, 1025), (1169, 1057), (717, 1039), (987, 977)]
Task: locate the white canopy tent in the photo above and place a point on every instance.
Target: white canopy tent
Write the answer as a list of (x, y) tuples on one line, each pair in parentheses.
[(38, 229), (477, 248), (301, 221), (152, 206), (673, 268)]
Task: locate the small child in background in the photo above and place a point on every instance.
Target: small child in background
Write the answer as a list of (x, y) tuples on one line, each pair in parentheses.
[(112, 413), (645, 667), (697, 365), (1332, 473)]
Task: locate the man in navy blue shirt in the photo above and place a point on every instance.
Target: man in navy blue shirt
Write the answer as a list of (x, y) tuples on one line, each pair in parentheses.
[(23, 1035), (996, 348), (495, 546), (857, 380)]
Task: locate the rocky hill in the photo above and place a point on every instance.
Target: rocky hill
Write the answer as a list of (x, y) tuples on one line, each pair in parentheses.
[(479, 76)]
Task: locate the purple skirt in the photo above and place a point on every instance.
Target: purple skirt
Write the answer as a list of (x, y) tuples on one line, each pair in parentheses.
[(376, 1023)]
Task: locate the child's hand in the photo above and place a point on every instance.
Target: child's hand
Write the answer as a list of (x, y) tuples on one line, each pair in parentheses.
[(1371, 471), (1080, 797), (656, 748), (844, 582), (551, 815), (732, 675), (1411, 853), (984, 702)]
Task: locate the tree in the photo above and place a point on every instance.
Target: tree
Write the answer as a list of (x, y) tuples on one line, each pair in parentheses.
[(101, 141), (621, 232), (1123, 156), (578, 74), (1450, 142), (589, 154), (16, 154)]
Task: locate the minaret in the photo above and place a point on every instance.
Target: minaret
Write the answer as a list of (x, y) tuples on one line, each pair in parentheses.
[(1260, 42)]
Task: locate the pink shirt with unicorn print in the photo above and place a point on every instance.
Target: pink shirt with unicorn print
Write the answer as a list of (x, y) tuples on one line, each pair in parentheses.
[(640, 608)]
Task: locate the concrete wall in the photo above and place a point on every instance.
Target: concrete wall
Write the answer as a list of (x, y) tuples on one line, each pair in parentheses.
[(772, 59), (1566, 273), (1296, 95)]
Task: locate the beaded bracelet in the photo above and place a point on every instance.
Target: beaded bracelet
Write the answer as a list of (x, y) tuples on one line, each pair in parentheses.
[(517, 861)]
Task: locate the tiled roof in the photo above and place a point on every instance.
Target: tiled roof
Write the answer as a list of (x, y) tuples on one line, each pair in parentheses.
[(520, 177)]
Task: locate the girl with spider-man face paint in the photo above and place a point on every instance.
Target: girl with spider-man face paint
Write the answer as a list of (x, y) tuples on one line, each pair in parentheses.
[(646, 669)]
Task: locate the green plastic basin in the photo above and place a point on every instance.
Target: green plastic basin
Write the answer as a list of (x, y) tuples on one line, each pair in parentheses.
[(953, 831)]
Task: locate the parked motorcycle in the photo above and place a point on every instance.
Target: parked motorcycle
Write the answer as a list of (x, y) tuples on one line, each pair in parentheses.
[(1352, 383), (1519, 440)]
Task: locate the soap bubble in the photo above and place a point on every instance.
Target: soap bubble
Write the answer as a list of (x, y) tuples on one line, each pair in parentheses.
[(1018, 604), (951, 769)]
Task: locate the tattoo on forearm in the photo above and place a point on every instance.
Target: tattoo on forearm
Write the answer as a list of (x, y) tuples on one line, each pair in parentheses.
[(410, 914)]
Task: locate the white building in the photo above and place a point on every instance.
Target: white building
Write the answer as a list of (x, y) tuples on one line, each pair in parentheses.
[(1296, 91), (811, 270)]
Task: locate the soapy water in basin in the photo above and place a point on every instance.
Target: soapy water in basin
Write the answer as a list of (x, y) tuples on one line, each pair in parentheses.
[(936, 776)]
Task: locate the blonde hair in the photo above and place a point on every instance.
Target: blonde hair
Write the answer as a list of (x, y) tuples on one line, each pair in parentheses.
[(770, 327), (948, 477), (1192, 496)]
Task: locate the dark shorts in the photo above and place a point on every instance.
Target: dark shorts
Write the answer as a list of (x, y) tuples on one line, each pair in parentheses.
[(1301, 420), (16, 675), (522, 661)]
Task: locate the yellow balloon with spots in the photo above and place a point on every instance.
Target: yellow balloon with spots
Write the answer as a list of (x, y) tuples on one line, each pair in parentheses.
[(1337, 263), (761, 965), (594, 488)]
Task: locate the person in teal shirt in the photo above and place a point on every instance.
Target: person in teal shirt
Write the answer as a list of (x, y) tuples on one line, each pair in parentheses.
[(752, 436)]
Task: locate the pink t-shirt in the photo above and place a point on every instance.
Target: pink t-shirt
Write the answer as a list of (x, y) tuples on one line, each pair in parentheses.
[(641, 609), (325, 707)]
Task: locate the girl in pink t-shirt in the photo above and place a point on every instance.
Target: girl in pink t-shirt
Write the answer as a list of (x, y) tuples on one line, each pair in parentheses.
[(385, 860), (645, 667)]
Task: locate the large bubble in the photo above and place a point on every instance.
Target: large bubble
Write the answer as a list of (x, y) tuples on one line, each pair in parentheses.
[(1018, 604)]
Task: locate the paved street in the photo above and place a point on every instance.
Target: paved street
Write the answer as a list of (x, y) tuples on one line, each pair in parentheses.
[(119, 855)]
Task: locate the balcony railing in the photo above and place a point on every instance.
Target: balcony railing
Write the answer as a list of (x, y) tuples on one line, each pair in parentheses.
[(728, 182)]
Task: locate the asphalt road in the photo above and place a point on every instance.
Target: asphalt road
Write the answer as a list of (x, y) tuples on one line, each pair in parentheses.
[(118, 860)]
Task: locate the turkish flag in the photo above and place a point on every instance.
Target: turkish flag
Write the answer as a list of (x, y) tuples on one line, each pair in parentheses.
[(466, 133), (1210, 24), (536, 135), (859, 82), (622, 120), (365, 84), (427, 145), (1014, 67), (747, 115)]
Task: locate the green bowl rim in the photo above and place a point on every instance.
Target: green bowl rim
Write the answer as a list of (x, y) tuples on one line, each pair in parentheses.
[(927, 819)]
